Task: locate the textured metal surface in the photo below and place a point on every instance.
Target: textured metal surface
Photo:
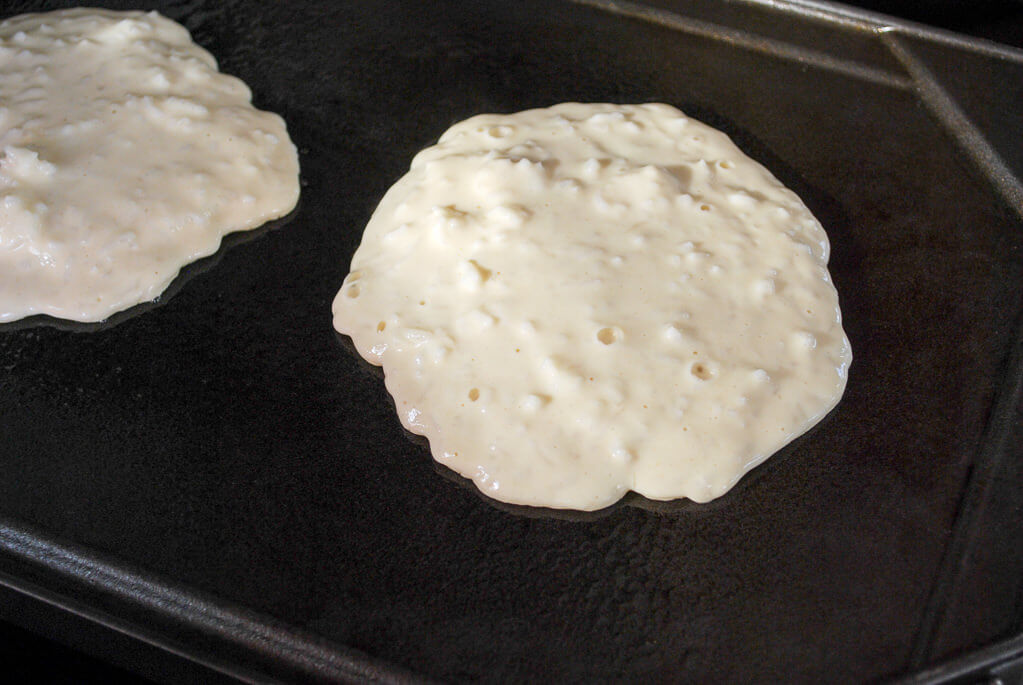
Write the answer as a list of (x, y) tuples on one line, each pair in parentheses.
[(220, 476)]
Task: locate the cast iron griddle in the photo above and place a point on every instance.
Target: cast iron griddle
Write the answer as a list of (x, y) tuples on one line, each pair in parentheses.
[(220, 476)]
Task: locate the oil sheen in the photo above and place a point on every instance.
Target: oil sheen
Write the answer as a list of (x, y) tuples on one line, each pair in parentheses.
[(124, 155), (575, 302)]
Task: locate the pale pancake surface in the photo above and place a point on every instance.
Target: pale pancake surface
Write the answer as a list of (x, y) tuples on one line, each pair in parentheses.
[(124, 155)]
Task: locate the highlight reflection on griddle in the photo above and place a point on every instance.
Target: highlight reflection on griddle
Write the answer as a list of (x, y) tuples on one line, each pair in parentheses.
[(187, 273)]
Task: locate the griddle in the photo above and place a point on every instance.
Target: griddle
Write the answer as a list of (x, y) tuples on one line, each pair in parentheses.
[(217, 485)]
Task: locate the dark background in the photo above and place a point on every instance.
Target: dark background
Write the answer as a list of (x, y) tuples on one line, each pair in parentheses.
[(25, 656)]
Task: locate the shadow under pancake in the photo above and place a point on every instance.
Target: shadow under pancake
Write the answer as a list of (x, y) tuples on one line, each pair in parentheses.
[(373, 370), (748, 483), (186, 274), (630, 499)]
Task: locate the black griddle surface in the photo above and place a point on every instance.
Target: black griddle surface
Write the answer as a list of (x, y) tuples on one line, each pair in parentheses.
[(220, 476)]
